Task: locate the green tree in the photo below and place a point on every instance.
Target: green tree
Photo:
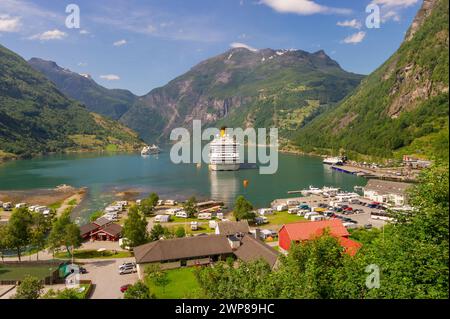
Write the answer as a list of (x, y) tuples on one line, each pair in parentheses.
[(29, 288), (18, 234), (160, 279), (158, 231), (65, 233), (135, 228), (62, 294), (190, 207), (148, 205), (3, 240), (243, 209), (180, 232), (138, 291), (41, 226)]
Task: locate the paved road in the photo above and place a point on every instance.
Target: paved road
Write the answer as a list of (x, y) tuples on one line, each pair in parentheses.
[(104, 274)]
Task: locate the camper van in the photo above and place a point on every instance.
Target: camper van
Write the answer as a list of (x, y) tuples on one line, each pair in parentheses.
[(265, 211), (181, 214), (281, 208), (204, 216)]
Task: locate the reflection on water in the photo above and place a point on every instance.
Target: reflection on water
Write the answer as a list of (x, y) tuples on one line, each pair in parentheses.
[(224, 186)]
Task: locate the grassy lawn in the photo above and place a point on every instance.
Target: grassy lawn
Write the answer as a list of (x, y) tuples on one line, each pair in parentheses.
[(201, 229), (88, 254), (281, 218), (182, 284), (55, 206), (174, 219), (72, 202), (18, 272)]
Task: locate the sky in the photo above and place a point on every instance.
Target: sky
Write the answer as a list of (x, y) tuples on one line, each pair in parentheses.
[(140, 45)]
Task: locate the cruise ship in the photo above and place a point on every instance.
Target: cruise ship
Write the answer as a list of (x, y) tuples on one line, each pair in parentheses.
[(333, 161), (224, 153)]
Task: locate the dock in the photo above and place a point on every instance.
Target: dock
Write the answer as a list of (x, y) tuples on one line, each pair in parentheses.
[(371, 174)]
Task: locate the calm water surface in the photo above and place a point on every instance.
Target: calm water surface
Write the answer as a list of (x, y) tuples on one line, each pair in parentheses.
[(106, 174)]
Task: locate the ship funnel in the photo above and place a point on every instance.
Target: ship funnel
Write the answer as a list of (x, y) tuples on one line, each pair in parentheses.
[(222, 131)]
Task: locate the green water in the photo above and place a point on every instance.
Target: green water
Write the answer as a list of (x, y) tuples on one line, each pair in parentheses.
[(106, 174)]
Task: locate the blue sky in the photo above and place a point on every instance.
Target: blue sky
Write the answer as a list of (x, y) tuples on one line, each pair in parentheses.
[(140, 45)]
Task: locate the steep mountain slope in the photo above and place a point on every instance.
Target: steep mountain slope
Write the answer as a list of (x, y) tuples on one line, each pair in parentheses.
[(111, 103), (36, 118), (400, 108), (244, 88)]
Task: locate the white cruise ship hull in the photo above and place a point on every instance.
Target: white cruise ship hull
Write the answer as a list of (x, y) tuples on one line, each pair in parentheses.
[(224, 167)]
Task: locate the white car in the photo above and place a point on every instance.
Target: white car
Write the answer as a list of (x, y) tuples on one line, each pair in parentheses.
[(127, 270), (125, 265)]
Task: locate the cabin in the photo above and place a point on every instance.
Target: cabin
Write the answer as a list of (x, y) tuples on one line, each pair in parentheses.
[(304, 231), (111, 232)]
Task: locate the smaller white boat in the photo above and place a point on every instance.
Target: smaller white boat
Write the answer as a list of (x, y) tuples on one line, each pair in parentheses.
[(333, 161), (148, 150)]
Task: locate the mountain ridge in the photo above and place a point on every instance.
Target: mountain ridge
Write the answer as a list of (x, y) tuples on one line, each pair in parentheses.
[(402, 107)]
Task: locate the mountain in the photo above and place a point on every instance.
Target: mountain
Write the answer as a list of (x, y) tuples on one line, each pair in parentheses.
[(36, 118), (244, 88), (81, 87), (402, 107)]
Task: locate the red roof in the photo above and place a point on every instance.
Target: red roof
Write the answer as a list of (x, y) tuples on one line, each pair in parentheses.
[(351, 246), (309, 230)]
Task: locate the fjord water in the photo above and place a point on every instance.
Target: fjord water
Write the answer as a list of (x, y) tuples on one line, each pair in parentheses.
[(105, 175)]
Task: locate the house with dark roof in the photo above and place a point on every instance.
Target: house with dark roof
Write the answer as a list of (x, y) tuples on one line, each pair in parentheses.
[(87, 230), (102, 221), (304, 231), (231, 228), (201, 250), (92, 231), (111, 232)]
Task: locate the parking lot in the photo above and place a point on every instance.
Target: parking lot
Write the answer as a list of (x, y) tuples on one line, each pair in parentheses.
[(106, 279)]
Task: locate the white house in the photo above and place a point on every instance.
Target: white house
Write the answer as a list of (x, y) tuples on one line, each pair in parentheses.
[(386, 192)]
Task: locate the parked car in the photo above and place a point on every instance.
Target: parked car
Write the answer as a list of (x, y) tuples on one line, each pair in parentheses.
[(128, 264), (127, 270), (124, 288), (368, 226), (82, 270)]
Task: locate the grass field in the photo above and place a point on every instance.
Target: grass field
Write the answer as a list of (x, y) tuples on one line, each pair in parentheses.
[(281, 218), (18, 272), (88, 254), (182, 284)]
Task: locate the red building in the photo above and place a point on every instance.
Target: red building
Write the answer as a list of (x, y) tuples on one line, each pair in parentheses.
[(303, 231), (92, 231)]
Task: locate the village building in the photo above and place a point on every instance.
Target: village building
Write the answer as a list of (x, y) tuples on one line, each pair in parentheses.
[(304, 231), (386, 192), (202, 250), (107, 232), (231, 228)]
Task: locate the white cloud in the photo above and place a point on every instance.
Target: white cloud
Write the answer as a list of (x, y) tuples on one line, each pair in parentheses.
[(83, 31), (396, 3), (9, 24), (355, 38), (391, 9), (235, 45), (302, 7), (82, 64), (355, 24), (390, 15), (49, 35), (110, 77), (120, 43)]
